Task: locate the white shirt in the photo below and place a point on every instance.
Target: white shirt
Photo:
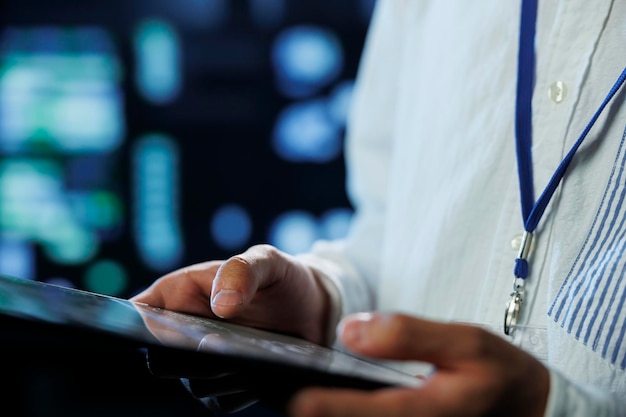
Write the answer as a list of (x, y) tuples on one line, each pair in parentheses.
[(432, 174)]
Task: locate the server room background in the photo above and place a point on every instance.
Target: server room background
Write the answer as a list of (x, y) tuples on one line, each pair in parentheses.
[(139, 136)]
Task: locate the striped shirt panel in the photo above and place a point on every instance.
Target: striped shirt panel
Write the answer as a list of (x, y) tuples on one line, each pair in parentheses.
[(591, 302)]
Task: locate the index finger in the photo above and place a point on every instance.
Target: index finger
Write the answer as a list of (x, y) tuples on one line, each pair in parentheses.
[(187, 290), (403, 337)]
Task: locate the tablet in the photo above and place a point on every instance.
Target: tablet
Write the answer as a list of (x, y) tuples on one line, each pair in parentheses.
[(183, 345)]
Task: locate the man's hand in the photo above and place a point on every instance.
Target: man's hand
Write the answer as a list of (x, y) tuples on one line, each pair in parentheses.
[(262, 287), (478, 373)]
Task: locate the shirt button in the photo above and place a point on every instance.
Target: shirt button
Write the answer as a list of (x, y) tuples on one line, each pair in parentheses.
[(557, 91), (516, 242)]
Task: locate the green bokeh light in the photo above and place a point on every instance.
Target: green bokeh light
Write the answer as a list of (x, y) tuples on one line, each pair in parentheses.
[(106, 277)]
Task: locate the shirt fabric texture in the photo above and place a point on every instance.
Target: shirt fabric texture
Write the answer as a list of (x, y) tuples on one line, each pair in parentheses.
[(432, 175)]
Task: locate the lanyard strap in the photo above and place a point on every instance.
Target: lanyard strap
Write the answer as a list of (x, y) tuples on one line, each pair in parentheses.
[(533, 210), (523, 105)]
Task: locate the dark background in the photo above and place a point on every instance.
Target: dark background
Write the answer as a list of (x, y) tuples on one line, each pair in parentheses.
[(221, 122)]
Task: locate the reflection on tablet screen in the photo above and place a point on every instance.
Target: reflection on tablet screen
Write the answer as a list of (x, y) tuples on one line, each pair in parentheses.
[(49, 303)]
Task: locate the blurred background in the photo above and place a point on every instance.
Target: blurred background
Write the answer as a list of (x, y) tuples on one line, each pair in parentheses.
[(139, 136)]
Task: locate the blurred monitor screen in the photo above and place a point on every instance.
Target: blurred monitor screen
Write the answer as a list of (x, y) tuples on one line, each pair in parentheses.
[(140, 136)]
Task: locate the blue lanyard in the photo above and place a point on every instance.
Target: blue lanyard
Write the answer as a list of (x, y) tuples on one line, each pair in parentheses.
[(533, 210), (523, 104)]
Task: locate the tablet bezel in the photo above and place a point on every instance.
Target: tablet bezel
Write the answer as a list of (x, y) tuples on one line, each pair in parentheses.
[(182, 344)]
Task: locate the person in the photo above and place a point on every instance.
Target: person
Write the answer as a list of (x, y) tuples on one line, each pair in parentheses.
[(460, 116)]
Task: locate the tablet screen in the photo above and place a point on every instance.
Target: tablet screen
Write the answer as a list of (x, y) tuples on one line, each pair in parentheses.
[(150, 326)]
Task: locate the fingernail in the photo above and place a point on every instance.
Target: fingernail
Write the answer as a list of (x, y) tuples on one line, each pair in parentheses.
[(352, 332), (353, 329), (227, 298)]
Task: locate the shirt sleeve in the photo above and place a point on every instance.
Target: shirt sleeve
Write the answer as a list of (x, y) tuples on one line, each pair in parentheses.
[(352, 265)]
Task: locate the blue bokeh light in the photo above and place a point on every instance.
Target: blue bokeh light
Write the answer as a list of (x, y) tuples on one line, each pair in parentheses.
[(305, 132), (294, 231), (306, 58), (335, 223), (339, 102), (156, 201), (158, 57), (17, 257), (231, 227)]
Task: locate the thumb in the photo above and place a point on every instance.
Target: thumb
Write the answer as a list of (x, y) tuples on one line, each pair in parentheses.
[(240, 278)]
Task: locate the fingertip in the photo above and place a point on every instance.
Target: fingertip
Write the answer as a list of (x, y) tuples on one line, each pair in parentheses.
[(351, 329), (226, 303)]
